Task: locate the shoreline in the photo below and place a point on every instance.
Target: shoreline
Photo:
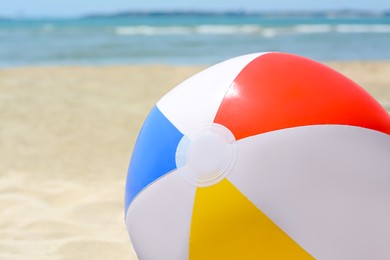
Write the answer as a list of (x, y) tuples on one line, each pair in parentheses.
[(173, 65)]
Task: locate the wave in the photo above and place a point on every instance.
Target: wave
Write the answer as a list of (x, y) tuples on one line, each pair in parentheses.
[(151, 30), (199, 29), (318, 28), (208, 29), (377, 28), (249, 29)]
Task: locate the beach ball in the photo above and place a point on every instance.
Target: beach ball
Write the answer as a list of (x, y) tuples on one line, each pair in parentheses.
[(263, 156)]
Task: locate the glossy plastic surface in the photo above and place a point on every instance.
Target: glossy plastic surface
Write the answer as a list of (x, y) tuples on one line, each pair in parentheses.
[(278, 91), (300, 170), (153, 155)]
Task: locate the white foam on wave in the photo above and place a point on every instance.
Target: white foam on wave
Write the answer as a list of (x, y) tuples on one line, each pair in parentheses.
[(251, 29), (228, 29), (151, 30), (199, 29), (354, 28), (312, 28), (269, 32)]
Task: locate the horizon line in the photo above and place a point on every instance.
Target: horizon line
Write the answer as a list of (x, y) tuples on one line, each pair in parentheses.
[(314, 12)]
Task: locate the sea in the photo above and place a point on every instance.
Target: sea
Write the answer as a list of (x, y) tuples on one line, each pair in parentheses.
[(190, 38)]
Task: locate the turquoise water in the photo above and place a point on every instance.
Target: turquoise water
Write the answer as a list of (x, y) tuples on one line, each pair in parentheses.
[(189, 39)]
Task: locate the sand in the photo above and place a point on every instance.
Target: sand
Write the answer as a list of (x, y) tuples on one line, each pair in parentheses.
[(66, 136)]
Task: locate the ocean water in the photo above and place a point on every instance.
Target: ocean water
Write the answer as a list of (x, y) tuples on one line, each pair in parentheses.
[(189, 39)]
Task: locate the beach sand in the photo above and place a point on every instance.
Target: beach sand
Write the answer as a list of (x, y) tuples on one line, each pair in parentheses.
[(66, 136)]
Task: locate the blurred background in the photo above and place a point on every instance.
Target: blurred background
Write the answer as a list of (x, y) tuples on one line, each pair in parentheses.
[(78, 78), (185, 32)]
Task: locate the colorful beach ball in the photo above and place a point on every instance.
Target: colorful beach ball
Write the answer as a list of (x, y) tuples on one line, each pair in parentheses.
[(264, 156)]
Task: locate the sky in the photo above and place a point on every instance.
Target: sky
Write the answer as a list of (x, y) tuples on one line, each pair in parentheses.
[(70, 8)]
